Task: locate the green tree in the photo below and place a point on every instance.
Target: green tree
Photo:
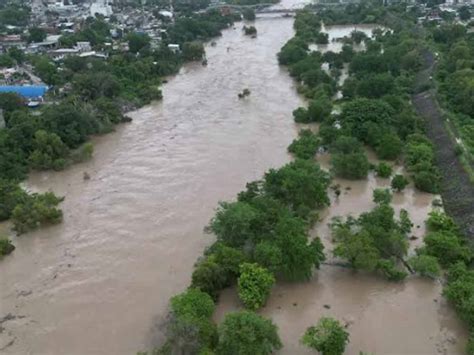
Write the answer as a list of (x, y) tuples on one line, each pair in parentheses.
[(10, 102), (209, 277), (359, 114), (193, 51), (248, 14), (358, 249), (246, 333), (49, 151), (301, 115), (306, 145), (301, 185), (460, 290), (383, 170), (254, 285), (389, 147), (328, 337), (399, 182), (36, 210), (46, 70), (298, 256), (11, 194), (234, 223), (36, 34), (348, 159), (6, 246), (137, 42), (190, 328), (447, 247), (382, 196), (250, 30), (319, 109), (425, 265), (464, 13)]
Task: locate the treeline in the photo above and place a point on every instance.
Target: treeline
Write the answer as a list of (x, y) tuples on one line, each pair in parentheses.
[(455, 75), (90, 96)]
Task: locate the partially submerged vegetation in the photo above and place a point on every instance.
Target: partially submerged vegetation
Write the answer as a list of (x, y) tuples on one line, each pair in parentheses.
[(263, 236), (90, 96)]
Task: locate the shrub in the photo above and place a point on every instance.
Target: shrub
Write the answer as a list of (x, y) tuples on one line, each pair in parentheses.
[(460, 291), (254, 285), (399, 182), (390, 270), (440, 221), (301, 115), (306, 145), (348, 159), (36, 210), (383, 170), (190, 328), (247, 333), (425, 265), (389, 147), (447, 248), (6, 246), (382, 196), (328, 337), (209, 277)]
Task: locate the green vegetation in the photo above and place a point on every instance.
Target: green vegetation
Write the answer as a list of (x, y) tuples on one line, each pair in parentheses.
[(36, 210), (375, 241), (454, 77), (250, 30), (328, 337), (306, 145), (254, 285), (399, 182), (383, 170), (247, 333), (6, 246), (190, 328), (90, 97), (425, 265), (248, 14), (419, 159), (348, 158)]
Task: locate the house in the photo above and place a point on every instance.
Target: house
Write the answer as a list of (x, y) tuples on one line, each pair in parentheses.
[(173, 47)]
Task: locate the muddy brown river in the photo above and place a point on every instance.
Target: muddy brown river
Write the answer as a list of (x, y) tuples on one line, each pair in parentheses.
[(99, 283)]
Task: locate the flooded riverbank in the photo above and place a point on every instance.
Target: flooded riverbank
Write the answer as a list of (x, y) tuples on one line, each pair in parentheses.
[(100, 282), (383, 317)]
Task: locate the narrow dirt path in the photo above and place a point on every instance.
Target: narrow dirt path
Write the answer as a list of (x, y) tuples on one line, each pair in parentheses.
[(456, 188)]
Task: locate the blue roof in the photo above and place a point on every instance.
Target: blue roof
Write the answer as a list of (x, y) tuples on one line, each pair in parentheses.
[(28, 91)]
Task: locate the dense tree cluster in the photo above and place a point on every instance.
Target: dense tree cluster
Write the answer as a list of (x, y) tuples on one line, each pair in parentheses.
[(6, 246), (375, 241), (455, 73), (306, 145), (261, 237), (254, 285)]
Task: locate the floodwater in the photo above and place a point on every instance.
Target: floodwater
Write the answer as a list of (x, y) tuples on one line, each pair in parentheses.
[(99, 283), (382, 317)]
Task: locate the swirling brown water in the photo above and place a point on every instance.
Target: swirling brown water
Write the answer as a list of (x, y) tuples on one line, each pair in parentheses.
[(100, 282)]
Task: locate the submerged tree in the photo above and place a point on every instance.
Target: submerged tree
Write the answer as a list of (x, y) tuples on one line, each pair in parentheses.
[(328, 337)]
